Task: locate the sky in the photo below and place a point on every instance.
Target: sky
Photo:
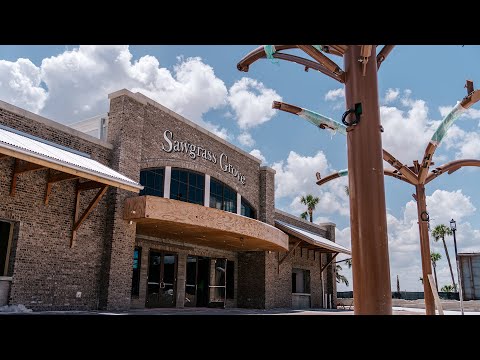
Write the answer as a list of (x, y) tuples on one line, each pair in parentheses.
[(417, 87)]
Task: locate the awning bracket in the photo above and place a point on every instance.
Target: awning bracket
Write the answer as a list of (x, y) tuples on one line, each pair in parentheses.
[(79, 219), (20, 167)]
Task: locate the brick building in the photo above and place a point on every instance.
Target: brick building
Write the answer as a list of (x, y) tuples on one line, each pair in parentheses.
[(150, 211)]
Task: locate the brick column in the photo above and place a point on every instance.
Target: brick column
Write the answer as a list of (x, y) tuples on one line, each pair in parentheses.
[(329, 273), (266, 209), (125, 130)]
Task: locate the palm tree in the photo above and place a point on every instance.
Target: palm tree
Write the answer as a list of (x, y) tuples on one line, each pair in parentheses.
[(421, 280), (304, 215), (439, 232), (447, 288), (311, 203), (435, 257), (340, 277)]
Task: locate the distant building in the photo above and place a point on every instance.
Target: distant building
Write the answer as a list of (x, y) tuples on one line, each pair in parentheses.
[(470, 275), (148, 210)]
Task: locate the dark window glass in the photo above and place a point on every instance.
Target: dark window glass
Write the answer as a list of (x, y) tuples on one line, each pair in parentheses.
[(187, 186), (152, 180), (4, 248), (222, 197), (247, 209), (230, 279), (137, 259), (301, 281)]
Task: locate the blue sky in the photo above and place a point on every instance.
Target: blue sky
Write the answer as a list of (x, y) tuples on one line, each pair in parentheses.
[(67, 83)]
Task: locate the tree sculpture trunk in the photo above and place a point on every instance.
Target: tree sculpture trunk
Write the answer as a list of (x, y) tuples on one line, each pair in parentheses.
[(449, 263)]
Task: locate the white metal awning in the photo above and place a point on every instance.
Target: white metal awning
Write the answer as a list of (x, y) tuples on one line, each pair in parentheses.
[(311, 238), (26, 147)]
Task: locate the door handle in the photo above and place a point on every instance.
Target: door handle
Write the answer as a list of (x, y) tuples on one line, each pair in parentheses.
[(162, 285)]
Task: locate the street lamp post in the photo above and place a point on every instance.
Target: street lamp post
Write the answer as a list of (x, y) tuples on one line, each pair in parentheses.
[(453, 227)]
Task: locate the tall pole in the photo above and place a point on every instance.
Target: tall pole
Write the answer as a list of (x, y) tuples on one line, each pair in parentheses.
[(425, 249), (460, 290), (368, 220)]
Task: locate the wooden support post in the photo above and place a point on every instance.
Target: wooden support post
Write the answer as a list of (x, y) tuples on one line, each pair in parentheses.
[(20, 167), (52, 179), (328, 263), (289, 252), (435, 294), (78, 220)]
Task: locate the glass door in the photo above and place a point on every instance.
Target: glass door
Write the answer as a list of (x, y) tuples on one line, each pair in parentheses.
[(161, 280), (191, 282), (218, 282)]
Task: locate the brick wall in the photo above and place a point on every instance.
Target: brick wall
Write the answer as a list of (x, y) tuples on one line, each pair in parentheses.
[(47, 273)]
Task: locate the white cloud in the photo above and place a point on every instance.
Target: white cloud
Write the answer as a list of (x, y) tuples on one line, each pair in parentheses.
[(466, 143), (406, 134), (79, 80), (297, 174), (20, 84), (252, 102), (336, 94), (404, 243), (258, 154), (391, 95), (246, 139)]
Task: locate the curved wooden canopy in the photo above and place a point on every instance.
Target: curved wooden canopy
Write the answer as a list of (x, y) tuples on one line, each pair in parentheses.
[(160, 217)]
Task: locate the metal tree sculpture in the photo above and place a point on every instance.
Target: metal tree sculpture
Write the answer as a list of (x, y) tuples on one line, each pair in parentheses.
[(417, 175), (368, 218)]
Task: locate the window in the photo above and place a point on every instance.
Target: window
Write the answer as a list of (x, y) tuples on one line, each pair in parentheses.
[(222, 197), (152, 180), (187, 186), (137, 263), (230, 279), (301, 281), (247, 209), (6, 258)]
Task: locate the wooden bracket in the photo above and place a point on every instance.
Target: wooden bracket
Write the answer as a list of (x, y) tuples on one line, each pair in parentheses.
[(20, 167), (328, 263), (79, 219), (3, 156), (288, 253), (54, 178), (435, 294)]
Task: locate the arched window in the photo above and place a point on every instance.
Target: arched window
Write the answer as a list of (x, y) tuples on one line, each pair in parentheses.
[(152, 180), (247, 209), (222, 196), (187, 186)]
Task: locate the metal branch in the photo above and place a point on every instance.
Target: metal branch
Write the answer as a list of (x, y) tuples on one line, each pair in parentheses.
[(406, 172), (451, 167), (258, 53), (382, 55), (427, 159), (322, 59)]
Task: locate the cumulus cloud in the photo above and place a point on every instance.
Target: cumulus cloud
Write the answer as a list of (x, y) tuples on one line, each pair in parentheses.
[(20, 84), (297, 174), (246, 139), (391, 95), (336, 94), (258, 154), (404, 243), (252, 102), (77, 83), (407, 133), (466, 143)]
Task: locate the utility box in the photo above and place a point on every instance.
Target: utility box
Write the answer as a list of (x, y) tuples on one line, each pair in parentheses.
[(470, 275)]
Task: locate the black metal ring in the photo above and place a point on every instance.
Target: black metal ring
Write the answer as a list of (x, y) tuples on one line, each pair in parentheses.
[(344, 117)]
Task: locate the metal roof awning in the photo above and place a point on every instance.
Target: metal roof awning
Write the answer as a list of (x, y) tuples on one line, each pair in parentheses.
[(25, 147), (311, 238)]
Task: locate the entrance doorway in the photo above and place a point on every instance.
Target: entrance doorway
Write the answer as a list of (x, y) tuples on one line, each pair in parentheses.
[(206, 282), (162, 274)]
